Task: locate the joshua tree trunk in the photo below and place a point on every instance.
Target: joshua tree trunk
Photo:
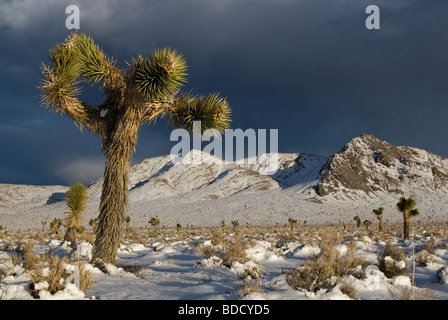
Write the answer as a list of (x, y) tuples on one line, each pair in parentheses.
[(118, 147), (380, 223), (406, 225), (70, 236), (138, 95)]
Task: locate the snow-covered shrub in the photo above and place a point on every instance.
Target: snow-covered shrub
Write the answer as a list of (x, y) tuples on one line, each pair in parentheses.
[(326, 269), (424, 258), (392, 261), (50, 276), (228, 249)]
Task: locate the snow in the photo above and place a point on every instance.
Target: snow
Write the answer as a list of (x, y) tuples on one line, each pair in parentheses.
[(169, 266)]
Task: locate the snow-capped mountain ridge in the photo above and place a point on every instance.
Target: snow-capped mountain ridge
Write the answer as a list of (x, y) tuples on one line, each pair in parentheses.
[(367, 172), (375, 167)]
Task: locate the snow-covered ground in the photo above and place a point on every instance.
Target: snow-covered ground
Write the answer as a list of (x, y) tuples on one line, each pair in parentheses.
[(179, 265), (190, 264)]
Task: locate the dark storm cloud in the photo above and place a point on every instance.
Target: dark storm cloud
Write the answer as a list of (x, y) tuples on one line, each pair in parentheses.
[(308, 68)]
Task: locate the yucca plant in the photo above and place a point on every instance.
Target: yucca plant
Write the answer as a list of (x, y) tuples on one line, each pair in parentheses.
[(358, 221), (76, 201), (128, 223), (367, 224), (146, 90), (379, 215), (292, 223), (55, 225), (407, 207)]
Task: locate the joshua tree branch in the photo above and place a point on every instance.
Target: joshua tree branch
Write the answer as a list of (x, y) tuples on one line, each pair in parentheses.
[(155, 108), (59, 95)]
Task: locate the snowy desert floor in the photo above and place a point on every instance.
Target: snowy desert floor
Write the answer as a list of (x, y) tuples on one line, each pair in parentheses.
[(310, 262)]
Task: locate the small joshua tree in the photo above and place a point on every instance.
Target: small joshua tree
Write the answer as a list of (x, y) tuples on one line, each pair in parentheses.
[(379, 215), (128, 223), (55, 225), (367, 224), (148, 89), (223, 226), (155, 222), (235, 224), (292, 223), (407, 207), (358, 221), (76, 201)]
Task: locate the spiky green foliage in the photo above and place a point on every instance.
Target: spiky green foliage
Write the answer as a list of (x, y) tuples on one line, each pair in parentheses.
[(212, 111), (161, 75), (148, 89), (407, 207), (76, 200), (378, 211)]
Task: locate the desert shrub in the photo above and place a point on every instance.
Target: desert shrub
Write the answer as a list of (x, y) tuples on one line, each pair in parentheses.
[(403, 292), (392, 261), (424, 257), (27, 250), (348, 289), (326, 269), (85, 279), (230, 250), (249, 286), (429, 245), (285, 237), (52, 278)]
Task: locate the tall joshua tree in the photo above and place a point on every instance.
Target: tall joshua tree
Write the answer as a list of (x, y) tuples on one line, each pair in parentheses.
[(146, 90), (379, 214), (407, 207)]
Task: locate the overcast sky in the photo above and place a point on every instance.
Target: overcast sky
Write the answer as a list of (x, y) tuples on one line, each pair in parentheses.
[(309, 68)]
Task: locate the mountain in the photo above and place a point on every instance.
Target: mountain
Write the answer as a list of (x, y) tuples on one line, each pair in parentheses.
[(366, 173), (372, 167)]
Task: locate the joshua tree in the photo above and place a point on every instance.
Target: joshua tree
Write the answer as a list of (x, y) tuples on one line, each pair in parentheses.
[(235, 224), (155, 222), (379, 215), (407, 207), (358, 221), (367, 224), (76, 201), (55, 225), (223, 225), (292, 223), (138, 95), (128, 223)]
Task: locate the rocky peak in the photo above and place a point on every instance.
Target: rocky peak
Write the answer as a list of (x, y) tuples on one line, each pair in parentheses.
[(371, 166)]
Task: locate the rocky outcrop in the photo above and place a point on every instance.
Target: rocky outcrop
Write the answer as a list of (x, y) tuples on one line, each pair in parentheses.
[(368, 165)]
